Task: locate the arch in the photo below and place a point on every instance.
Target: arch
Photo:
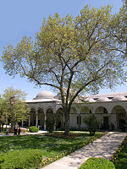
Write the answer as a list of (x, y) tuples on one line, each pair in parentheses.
[(121, 117), (49, 111), (102, 114), (49, 119), (32, 116), (41, 118), (118, 109), (85, 109), (73, 110), (59, 117), (101, 110)]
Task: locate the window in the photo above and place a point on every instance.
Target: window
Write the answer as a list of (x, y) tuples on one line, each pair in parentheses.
[(95, 98), (110, 98)]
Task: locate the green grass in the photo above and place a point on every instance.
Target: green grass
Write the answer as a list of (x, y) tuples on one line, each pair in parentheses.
[(51, 147), (121, 162)]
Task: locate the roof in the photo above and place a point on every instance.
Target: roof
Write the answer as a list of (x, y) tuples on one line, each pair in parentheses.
[(47, 96), (111, 97)]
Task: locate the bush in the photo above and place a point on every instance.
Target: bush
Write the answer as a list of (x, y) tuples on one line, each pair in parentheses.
[(92, 124), (23, 159), (50, 121), (33, 129), (97, 163)]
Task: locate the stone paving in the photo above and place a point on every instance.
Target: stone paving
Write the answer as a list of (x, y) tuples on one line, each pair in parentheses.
[(102, 147)]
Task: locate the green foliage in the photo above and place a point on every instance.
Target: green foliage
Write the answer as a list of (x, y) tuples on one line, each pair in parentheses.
[(92, 123), (18, 110), (33, 129), (97, 163), (24, 159)]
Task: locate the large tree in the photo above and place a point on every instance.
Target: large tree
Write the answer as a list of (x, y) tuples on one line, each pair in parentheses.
[(14, 108), (118, 30), (69, 54)]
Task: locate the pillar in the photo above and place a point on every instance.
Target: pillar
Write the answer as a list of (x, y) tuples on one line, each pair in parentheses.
[(22, 123), (45, 119), (36, 117), (29, 122), (55, 122)]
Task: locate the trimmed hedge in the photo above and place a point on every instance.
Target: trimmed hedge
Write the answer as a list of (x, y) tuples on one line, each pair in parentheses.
[(97, 163), (33, 129), (23, 159)]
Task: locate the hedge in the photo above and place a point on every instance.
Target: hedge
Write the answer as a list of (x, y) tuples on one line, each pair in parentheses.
[(97, 163), (23, 159), (33, 129)]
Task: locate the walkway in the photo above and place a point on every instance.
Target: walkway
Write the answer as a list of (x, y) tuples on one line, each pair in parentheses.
[(103, 147)]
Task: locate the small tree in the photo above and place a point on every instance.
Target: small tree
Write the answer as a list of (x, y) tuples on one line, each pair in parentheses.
[(18, 111), (92, 123), (50, 122)]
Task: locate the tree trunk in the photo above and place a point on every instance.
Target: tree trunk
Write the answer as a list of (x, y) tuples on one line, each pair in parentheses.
[(67, 122)]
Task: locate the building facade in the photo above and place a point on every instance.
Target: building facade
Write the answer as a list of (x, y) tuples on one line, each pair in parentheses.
[(110, 109)]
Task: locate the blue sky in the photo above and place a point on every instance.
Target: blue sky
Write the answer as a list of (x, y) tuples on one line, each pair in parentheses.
[(24, 17)]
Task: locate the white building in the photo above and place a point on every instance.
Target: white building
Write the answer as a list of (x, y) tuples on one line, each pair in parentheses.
[(110, 109)]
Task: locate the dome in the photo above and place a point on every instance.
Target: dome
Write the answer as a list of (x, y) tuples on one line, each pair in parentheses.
[(90, 100), (119, 98), (44, 95), (103, 99)]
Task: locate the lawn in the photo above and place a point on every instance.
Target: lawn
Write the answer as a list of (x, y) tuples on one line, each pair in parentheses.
[(121, 156), (52, 146)]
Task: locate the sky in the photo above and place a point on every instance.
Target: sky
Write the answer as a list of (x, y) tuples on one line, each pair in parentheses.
[(20, 18)]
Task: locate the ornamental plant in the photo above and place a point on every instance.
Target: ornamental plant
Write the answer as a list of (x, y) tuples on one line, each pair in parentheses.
[(33, 129), (92, 124), (97, 163)]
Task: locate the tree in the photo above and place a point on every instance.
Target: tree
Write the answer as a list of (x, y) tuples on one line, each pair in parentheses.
[(18, 110), (3, 119), (69, 54), (118, 30)]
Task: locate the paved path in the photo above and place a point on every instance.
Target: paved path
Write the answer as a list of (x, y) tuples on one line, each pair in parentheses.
[(103, 147)]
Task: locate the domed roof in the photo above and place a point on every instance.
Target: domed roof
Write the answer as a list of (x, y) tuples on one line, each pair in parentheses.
[(44, 95), (103, 99), (119, 98), (90, 100)]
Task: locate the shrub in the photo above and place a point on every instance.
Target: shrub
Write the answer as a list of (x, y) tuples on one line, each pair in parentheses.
[(50, 123), (92, 124), (33, 129), (23, 159), (97, 163)]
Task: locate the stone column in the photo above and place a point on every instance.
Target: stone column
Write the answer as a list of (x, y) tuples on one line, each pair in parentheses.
[(36, 117), (55, 121), (22, 123), (29, 122), (45, 119)]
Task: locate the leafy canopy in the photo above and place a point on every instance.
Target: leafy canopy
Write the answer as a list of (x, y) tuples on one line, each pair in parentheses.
[(18, 111)]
